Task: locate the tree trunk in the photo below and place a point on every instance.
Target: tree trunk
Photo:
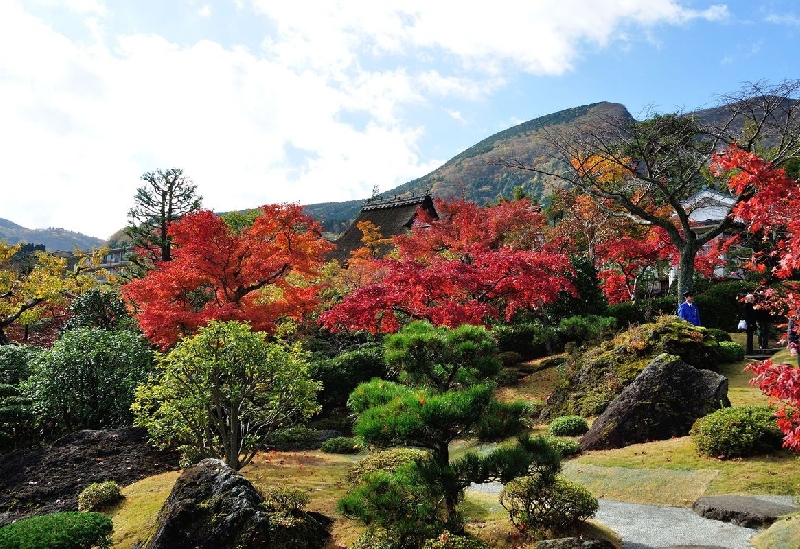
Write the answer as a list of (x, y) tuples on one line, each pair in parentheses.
[(688, 253)]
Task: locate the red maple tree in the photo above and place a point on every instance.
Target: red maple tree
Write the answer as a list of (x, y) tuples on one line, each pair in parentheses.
[(770, 204), (471, 265), (627, 260), (261, 274)]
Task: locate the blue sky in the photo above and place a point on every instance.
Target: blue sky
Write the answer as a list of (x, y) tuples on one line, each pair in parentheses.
[(263, 101)]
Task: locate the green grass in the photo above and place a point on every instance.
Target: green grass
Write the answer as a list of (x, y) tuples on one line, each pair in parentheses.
[(135, 517)]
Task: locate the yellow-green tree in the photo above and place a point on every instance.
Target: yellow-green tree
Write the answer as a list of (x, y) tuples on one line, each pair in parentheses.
[(28, 294)]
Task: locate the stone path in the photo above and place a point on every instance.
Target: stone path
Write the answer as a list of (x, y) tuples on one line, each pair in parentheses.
[(659, 526)]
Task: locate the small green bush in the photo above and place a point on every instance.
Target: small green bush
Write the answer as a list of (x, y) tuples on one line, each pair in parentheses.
[(730, 352), (341, 445), (510, 358), (98, 496), (585, 328), (538, 504), (295, 438), (528, 339), (565, 446), (67, 530), (719, 334), (386, 460), (502, 420), (446, 540), (284, 498), (568, 426), (737, 431)]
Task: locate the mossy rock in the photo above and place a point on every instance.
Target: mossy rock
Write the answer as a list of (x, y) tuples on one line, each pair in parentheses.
[(592, 379)]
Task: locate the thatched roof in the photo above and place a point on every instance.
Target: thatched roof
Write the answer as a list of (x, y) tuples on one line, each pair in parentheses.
[(392, 216)]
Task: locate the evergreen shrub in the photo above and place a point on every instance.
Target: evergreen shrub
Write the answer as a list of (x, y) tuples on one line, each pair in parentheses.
[(99, 495), (66, 530), (446, 540), (737, 432), (568, 426), (565, 446), (341, 445), (295, 438), (586, 328), (730, 352), (537, 504), (503, 419)]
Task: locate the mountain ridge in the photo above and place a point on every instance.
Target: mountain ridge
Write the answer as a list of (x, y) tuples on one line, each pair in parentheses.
[(469, 175), (53, 238)]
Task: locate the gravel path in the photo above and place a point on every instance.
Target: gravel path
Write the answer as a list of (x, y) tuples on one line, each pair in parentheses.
[(652, 526)]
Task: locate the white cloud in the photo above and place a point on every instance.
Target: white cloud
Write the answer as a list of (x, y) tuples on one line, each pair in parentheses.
[(317, 112)]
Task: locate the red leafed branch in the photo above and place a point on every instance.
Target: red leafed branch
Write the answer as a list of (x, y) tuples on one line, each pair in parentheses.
[(261, 275), (472, 265), (782, 382)]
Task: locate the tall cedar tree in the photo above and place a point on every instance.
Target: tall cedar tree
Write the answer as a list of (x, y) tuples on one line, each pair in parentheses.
[(772, 209), (651, 168), (261, 274), (167, 196), (471, 265)]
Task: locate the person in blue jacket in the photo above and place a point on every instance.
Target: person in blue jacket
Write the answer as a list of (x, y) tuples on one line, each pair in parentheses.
[(688, 310)]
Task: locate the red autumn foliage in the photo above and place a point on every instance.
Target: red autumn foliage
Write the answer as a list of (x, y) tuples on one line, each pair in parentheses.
[(782, 382), (770, 204), (261, 275), (627, 259), (471, 265)]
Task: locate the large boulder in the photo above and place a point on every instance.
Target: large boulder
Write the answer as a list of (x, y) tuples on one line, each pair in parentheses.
[(212, 506), (662, 402)]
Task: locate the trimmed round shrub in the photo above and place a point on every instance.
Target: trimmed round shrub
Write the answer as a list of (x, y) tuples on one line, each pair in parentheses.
[(386, 460), (67, 530), (99, 495), (737, 432), (565, 446), (730, 352), (341, 445), (568, 426), (539, 504)]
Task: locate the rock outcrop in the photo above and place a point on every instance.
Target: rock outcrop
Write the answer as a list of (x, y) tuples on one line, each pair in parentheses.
[(662, 402), (750, 512), (212, 506)]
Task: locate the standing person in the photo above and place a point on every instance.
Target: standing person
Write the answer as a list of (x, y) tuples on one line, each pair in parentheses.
[(793, 337), (688, 310), (749, 316), (762, 318)]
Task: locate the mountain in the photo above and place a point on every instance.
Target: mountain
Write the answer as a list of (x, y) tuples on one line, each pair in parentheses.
[(472, 175), (52, 238)]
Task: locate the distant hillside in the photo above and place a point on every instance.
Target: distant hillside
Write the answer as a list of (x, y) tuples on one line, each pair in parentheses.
[(470, 175), (52, 238)]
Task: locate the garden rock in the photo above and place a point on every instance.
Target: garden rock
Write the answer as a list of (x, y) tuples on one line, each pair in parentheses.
[(749, 512), (662, 402), (213, 506)]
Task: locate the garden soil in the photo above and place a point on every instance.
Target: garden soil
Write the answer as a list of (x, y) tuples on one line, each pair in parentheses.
[(46, 480)]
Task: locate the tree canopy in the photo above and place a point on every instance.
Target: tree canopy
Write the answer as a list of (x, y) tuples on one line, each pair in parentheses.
[(470, 266), (222, 391), (261, 274)]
